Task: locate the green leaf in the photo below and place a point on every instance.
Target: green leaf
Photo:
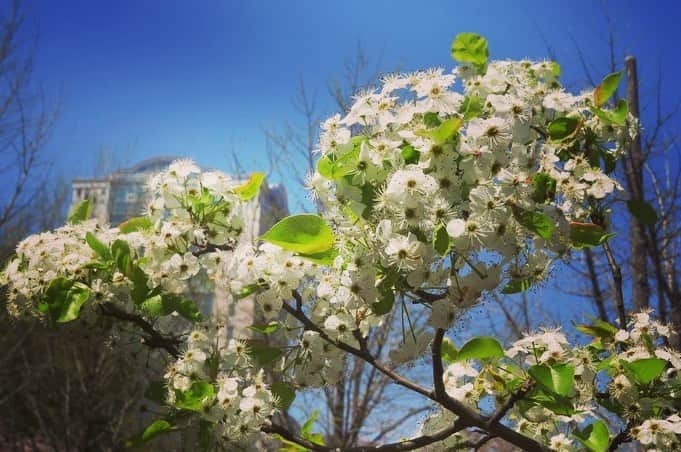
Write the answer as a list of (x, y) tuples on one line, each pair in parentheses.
[(471, 107), (555, 69), (470, 48), (305, 233), (441, 241), (443, 132), (154, 307), (642, 211), (617, 116), (263, 354), (121, 254), (306, 430), (156, 428), (385, 303), (431, 119), (536, 222), (247, 291), (410, 155), (286, 394), (324, 258), (80, 212), (598, 328), (196, 398), (558, 378), (166, 304), (549, 400), (449, 351), (98, 247), (544, 188), (587, 235), (596, 437), (646, 370), (64, 298), (265, 329), (564, 128), (136, 224), (607, 88), (481, 347), (517, 285), (250, 189)]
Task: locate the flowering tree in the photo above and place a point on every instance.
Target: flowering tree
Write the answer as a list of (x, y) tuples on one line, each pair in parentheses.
[(437, 189)]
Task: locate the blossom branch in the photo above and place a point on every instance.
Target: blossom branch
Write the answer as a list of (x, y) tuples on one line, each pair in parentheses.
[(153, 339)]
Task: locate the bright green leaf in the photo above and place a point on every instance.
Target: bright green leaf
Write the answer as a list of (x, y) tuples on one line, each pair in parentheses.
[(471, 107), (596, 437), (410, 155), (558, 379), (617, 116), (156, 428), (305, 233), (536, 222), (247, 291), (564, 128), (121, 254), (481, 347), (586, 235), (249, 189), (265, 329), (544, 188), (135, 224), (646, 370), (325, 258), (598, 328), (196, 398), (644, 212), (441, 241), (470, 48), (431, 119), (607, 88), (443, 132), (80, 212), (449, 351), (97, 246), (64, 299)]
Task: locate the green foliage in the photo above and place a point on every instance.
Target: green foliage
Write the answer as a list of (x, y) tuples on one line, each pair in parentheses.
[(409, 154), (98, 247), (544, 188), (305, 233), (449, 351), (595, 437), (645, 370), (471, 48), (63, 299), (471, 107), (441, 241), (518, 285), (285, 393), (200, 395), (250, 189), (263, 354), (324, 258), (80, 212), (536, 222), (598, 328), (265, 329), (564, 128), (481, 347), (558, 378), (156, 428), (607, 88), (136, 224), (617, 116), (642, 211), (587, 235), (444, 131)]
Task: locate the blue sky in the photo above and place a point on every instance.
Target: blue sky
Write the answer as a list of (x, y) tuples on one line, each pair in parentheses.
[(200, 79)]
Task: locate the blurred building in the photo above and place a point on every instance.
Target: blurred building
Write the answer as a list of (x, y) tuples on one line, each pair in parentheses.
[(122, 195)]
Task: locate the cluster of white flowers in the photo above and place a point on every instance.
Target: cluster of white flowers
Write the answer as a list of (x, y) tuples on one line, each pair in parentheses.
[(216, 379)]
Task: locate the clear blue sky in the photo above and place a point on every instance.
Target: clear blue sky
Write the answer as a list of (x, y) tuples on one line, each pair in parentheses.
[(200, 78)]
